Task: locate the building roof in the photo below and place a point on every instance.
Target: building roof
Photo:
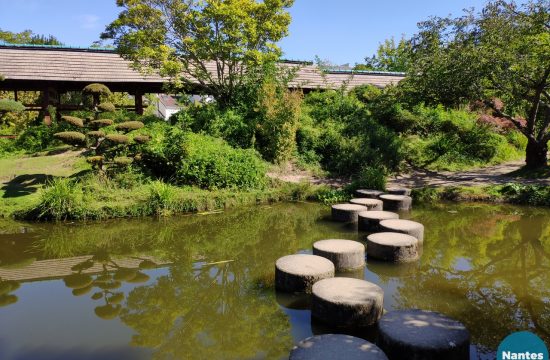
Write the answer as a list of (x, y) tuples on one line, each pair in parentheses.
[(85, 65)]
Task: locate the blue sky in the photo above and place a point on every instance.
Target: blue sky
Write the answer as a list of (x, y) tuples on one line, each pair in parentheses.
[(342, 31)]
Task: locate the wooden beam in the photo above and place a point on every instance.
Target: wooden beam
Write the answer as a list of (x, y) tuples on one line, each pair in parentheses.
[(138, 98)]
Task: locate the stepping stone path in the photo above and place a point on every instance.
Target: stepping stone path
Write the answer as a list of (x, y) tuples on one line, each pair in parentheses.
[(422, 334), (371, 194), (391, 246), (336, 347), (297, 273), (370, 220), (347, 212), (344, 254), (405, 227), (347, 302), (396, 202), (399, 191), (371, 204)]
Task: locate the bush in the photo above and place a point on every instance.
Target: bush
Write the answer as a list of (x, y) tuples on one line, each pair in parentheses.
[(61, 199), (73, 121), (71, 137), (36, 138), (106, 107), (128, 126), (117, 138), (96, 124), (201, 160), (369, 178), (7, 105)]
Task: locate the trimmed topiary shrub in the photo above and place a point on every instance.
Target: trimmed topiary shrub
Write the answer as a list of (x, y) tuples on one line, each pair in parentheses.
[(96, 134), (123, 160), (117, 138), (97, 124), (142, 139), (71, 138), (128, 126), (96, 88), (73, 121), (106, 107)]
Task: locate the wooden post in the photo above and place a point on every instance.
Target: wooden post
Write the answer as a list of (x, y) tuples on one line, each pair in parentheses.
[(139, 102), (15, 95)]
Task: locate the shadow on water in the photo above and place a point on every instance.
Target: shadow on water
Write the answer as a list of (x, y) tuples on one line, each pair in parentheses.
[(203, 285)]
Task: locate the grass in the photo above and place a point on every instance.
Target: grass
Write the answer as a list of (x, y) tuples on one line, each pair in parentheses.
[(514, 193)]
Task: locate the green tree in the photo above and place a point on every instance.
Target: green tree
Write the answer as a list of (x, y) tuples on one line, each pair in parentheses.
[(390, 56), (502, 52), (209, 43), (28, 37)]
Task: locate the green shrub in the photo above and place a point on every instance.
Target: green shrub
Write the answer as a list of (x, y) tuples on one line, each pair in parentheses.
[(117, 138), (369, 178), (123, 160), (142, 139), (72, 120), (96, 88), (36, 138), (161, 198), (7, 105), (204, 161), (61, 199), (96, 124), (129, 126), (96, 134), (71, 137), (106, 107)]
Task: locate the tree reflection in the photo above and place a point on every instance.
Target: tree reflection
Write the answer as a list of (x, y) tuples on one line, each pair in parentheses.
[(494, 276)]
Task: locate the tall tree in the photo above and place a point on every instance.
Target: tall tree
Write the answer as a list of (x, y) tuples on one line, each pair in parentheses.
[(390, 56), (28, 37), (502, 52), (209, 42)]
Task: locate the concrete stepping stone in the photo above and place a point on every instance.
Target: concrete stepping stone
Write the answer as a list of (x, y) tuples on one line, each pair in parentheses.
[(365, 193), (393, 247), (345, 254), (399, 191), (347, 212), (336, 347), (347, 302), (408, 227), (371, 204), (396, 202), (370, 220), (297, 273), (423, 334)]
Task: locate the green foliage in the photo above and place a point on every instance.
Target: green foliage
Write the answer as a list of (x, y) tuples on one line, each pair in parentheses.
[(62, 199), (71, 137), (36, 138), (7, 105), (96, 124), (73, 121), (161, 198), (117, 139), (123, 160), (180, 38), (142, 139), (389, 57), (499, 52), (97, 89), (204, 161), (128, 126), (338, 129), (538, 195), (96, 134), (106, 107), (28, 37), (369, 178)]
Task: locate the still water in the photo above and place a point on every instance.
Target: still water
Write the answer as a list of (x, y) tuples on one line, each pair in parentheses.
[(201, 286)]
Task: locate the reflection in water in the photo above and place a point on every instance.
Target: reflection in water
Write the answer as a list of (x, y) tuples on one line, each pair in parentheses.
[(487, 266)]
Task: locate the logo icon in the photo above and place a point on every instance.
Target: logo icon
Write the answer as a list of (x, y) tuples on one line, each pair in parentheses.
[(522, 345)]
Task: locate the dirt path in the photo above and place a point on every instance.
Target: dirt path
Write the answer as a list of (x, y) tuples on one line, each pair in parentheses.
[(491, 175)]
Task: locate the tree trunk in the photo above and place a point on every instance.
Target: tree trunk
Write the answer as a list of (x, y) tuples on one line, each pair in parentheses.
[(536, 154)]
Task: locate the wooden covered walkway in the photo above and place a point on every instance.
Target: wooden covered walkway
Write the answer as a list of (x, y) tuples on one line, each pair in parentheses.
[(57, 70)]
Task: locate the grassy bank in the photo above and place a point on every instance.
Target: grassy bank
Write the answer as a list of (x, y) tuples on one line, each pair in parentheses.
[(513, 193)]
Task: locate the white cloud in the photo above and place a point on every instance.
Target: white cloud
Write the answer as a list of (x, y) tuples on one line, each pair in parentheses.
[(88, 21)]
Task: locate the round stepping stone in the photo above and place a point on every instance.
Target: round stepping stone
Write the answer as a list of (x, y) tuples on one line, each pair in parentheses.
[(371, 194), (297, 273), (391, 246), (422, 335), (370, 220), (336, 347), (344, 254), (399, 191), (347, 212), (347, 302), (396, 202), (405, 227), (371, 204)]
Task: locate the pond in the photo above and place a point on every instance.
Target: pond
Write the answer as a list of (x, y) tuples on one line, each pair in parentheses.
[(201, 286)]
